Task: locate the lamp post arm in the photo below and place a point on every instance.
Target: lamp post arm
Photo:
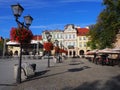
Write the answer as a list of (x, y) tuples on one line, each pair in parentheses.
[(22, 24)]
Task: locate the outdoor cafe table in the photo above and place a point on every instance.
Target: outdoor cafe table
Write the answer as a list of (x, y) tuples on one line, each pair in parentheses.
[(113, 57)]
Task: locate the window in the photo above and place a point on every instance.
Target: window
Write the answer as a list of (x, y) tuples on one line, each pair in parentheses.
[(85, 44), (80, 44), (61, 35), (74, 44), (66, 36), (69, 36), (84, 38), (69, 43), (73, 36), (57, 35), (80, 38)]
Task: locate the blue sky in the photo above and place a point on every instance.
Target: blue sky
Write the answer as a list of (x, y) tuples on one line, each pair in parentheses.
[(50, 14)]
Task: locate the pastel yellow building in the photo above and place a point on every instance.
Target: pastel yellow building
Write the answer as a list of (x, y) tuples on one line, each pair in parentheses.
[(82, 40)]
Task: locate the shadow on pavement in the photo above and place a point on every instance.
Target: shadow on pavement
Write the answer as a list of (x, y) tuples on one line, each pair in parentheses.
[(78, 69), (112, 84), (8, 84), (36, 76), (76, 62), (39, 75)]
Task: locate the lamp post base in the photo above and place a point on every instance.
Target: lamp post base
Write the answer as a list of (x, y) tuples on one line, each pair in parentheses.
[(19, 66)]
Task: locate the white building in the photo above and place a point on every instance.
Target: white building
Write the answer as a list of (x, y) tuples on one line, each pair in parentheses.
[(70, 39)]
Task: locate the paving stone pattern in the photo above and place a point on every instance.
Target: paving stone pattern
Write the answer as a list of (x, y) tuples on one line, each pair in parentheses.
[(73, 74)]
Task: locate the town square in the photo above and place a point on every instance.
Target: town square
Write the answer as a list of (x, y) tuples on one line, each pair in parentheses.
[(60, 45)]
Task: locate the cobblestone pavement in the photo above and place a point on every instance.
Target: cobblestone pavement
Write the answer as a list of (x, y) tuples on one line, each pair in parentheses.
[(74, 74)]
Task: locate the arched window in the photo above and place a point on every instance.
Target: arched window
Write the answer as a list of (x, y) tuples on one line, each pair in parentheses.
[(81, 52), (70, 53), (16, 52)]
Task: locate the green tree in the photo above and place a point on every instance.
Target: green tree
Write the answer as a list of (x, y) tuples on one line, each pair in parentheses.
[(1, 47), (108, 23)]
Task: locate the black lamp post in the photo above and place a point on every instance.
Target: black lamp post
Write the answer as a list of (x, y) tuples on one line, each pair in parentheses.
[(57, 53), (57, 43), (48, 36), (17, 11), (61, 45)]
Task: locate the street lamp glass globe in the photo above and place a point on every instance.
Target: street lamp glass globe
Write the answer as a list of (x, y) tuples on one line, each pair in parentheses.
[(17, 10), (28, 20), (57, 42), (47, 34)]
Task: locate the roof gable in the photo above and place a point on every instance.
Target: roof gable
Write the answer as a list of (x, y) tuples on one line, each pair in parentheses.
[(37, 37), (82, 31)]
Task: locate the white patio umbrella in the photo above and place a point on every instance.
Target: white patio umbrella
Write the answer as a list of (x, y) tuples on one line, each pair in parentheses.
[(92, 52), (34, 42), (116, 49), (12, 43), (108, 51)]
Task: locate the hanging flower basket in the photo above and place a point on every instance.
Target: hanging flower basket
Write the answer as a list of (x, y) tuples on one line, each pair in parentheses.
[(62, 51), (65, 51), (21, 35), (48, 46), (57, 49)]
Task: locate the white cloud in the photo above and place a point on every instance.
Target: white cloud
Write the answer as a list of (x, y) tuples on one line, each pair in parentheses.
[(40, 3), (59, 26), (50, 26), (6, 17)]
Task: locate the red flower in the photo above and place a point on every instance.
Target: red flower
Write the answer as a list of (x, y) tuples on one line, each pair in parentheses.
[(65, 51), (62, 51), (21, 35), (48, 46), (57, 49)]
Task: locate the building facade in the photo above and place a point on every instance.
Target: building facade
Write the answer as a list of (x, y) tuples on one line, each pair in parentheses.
[(35, 46), (72, 38), (82, 40), (56, 35)]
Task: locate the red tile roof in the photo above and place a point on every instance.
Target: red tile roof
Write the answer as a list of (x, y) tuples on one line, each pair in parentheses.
[(82, 31), (37, 37)]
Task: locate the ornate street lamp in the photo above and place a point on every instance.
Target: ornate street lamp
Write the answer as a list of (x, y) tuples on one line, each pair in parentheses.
[(61, 45), (17, 12), (58, 51), (28, 20), (57, 43), (48, 36)]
